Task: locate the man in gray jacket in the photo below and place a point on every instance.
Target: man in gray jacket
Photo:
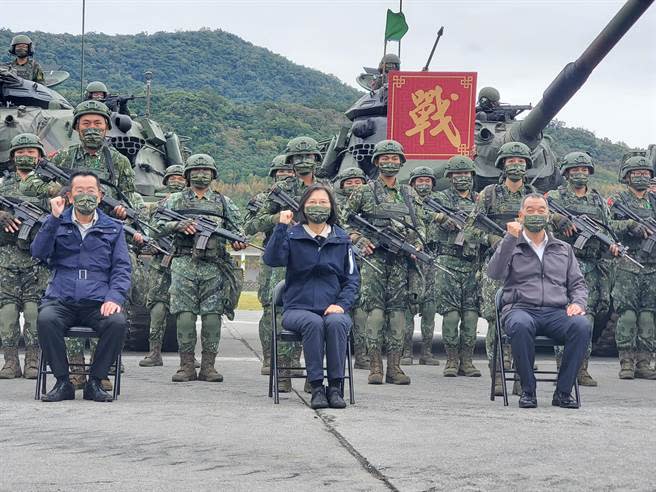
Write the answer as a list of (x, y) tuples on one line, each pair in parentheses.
[(544, 293)]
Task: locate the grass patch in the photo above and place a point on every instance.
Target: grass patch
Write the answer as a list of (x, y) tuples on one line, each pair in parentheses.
[(248, 301)]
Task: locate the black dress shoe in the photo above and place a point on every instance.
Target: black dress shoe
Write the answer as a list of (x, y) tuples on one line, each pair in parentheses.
[(564, 400), (63, 390), (319, 399), (528, 400), (93, 391), (335, 399)]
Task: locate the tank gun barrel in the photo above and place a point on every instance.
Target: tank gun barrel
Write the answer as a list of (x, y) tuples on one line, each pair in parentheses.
[(575, 73)]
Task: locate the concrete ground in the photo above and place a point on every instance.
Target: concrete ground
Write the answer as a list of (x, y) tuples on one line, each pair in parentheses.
[(436, 434)]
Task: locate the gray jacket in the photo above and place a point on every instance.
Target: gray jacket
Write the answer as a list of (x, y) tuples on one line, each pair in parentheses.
[(556, 281)]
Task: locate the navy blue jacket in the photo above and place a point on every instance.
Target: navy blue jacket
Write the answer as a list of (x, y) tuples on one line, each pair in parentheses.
[(317, 275), (96, 269)]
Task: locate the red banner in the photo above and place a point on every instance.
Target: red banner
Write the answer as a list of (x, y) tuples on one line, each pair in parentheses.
[(432, 114)]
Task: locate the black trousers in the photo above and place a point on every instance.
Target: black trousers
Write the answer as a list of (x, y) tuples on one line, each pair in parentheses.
[(55, 317), (574, 332)]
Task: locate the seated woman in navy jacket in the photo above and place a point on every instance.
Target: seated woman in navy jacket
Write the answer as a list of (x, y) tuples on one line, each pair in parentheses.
[(321, 284)]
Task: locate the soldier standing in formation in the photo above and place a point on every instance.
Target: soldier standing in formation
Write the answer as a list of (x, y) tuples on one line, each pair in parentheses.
[(385, 202), (22, 279), (634, 290), (26, 67)]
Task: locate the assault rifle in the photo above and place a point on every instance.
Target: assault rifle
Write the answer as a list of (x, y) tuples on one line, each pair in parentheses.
[(392, 241), (459, 217), (288, 202), (205, 228), (155, 244), (588, 228), (647, 245), (27, 213)]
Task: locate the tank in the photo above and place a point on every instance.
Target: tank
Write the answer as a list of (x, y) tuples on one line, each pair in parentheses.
[(30, 107), (353, 145)]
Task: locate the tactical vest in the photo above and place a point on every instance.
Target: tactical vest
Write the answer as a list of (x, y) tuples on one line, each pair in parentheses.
[(10, 187), (388, 207), (102, 164), (501, 206), (26, 71), (645, 208), (445, 238)]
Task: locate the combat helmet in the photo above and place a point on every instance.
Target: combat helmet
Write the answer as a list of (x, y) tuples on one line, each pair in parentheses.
[(200, 161), (21, 39), (459, 164), (95, 86), (351, 173), (489, 94), (175, 170), (388, 147), (576, 159), (513, 149), (26, 141), (422, 171), (635, 163), (279, 162), (302, 145), (389, 59), (91, 107)]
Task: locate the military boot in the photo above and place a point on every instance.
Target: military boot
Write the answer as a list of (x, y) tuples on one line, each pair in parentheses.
[(406, 359), (186, 371), (627, 369), (584, 377), (154, 357), (642, 369), (266, 361), (76, 363), (207, 371), (361, 357), (284, 381), (498, 382), (451, 367), (427, 358), (12, 368), (467, 367), (375, 368), (31, 369), (394, 373)]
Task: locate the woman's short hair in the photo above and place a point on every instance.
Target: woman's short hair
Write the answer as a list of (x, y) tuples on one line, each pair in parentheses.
[(311, 189)]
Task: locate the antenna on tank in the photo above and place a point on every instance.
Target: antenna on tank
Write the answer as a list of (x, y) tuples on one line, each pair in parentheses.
[(82, 54), (148, 76)]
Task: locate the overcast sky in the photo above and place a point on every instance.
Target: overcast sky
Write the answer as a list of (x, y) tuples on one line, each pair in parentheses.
[(517, 46)]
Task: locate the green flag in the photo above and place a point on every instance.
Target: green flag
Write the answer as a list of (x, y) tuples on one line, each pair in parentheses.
[(395, 27)]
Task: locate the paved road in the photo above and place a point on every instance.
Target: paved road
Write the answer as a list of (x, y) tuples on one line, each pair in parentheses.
[(436, 434)]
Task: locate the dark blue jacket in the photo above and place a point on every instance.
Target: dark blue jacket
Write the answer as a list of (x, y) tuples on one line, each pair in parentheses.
[(96, 269), (317, 275)]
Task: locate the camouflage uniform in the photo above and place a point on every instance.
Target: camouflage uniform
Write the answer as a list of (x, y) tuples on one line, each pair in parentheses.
[(634, 291), (385, 297), (30, 70)]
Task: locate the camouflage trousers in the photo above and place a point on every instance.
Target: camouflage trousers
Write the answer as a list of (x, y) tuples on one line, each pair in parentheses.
[(384, 298), (457, 299), (634, 297), (597, 279), (20, 290), (157, 301)]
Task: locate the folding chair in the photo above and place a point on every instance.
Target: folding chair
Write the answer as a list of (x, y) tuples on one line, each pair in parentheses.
[(291, 336), (497, 359), (77, 332)]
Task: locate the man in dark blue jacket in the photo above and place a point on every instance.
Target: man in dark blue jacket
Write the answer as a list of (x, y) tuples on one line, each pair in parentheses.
[(88, 256), (321, 284)]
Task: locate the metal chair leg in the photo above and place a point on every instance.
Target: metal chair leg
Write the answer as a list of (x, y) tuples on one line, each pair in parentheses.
[(494, 367), (39, 377), (576, 392), (117, 377), (274, 357), (349, 361)]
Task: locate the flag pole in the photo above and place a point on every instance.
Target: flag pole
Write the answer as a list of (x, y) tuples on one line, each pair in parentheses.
[(400, 11), (82, 54)]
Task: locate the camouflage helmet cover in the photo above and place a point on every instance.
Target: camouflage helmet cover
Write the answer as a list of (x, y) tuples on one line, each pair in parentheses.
[(459, 164), (96, 86), (388, 147), (489, 93), (200, 161), (302, 145), (513, 149), (422, 171), (91, 107), (21, 39), (389, 58), (26, 141), (350, 173), (635, 163), (279, 162), (175, 170), (576, 159)]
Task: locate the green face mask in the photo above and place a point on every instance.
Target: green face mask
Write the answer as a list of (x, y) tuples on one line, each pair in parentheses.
[(389, 168), (639, 183), (21, 52), (85, 203), (25, 162), (423, 189), (304, 168), (201, 179), (535, 222), (174, 187), (92, 138), (515, 172), (317, 214), (462, 183), (579, 180)]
